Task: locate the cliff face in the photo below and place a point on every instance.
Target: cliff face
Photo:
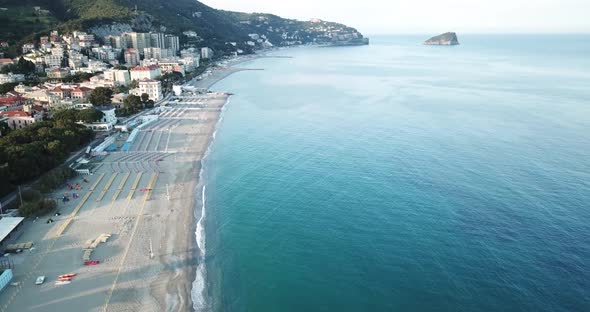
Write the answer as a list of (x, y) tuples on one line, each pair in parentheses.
[(449, 38)]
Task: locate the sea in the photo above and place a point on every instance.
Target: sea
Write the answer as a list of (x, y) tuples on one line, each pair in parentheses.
[(402, 177)]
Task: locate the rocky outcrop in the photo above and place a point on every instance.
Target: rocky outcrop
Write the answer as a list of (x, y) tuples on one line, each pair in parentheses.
[(142, 22), (449, 38), (114, 29)]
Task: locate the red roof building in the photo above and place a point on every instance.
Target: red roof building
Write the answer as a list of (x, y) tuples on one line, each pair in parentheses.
[(12, 100), (62, 93), (81, 93), (20, 119), (5, 61)]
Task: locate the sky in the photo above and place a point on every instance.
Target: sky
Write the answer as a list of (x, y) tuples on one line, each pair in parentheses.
[(430, 16)]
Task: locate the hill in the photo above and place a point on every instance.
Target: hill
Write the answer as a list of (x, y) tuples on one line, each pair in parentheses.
[(24, 18)]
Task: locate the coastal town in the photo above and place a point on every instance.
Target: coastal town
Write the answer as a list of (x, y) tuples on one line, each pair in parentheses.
[(63, 71), (111, 222)]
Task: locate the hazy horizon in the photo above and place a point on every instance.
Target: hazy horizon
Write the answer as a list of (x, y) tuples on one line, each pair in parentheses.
[(462, 16)]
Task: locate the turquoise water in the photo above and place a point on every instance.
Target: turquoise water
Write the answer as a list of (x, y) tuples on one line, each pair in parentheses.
[(400, 177)]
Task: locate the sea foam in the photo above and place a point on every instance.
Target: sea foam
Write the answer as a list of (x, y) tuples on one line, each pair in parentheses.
[(198, 293)]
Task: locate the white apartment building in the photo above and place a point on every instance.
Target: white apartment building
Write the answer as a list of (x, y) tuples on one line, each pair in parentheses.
[(28, 47), (53, 60), (96, 66), (153, 88), (57, 50)]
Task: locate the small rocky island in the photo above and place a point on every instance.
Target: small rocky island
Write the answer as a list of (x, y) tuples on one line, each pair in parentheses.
[(449, 38)]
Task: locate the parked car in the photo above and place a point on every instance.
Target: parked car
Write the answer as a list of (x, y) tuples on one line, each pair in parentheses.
[(40, 280)]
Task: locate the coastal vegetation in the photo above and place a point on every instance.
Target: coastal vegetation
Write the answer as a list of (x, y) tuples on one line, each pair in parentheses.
[(77, 77), (101, 96), (34, 203), (7, 87), (133, 104), (169, 79), (22, 66), (27, 153)]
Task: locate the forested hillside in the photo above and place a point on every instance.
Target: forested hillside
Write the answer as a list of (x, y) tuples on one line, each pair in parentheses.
[(22, 18)]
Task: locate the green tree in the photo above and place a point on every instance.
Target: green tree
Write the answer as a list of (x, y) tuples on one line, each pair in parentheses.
[(56, 147), (144, 97), (78, 77), (121, 89), (133, 84), (24, 67), (31, 195), (132, 103), (29, 209), (29, 152), (4, 128), (89, 115), (65, 118), (7, 87), (101, 96), (47, 205)]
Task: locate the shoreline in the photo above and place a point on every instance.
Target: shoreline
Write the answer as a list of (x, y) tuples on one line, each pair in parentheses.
[(199, 283)]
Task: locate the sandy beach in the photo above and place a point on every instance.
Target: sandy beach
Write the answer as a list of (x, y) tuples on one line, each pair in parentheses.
[(145, 199)]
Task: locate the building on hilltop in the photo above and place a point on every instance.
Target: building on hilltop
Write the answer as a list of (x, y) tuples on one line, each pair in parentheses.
[(58, 73), (28, 47), (206, 53), (77, 60), (51, 60)]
